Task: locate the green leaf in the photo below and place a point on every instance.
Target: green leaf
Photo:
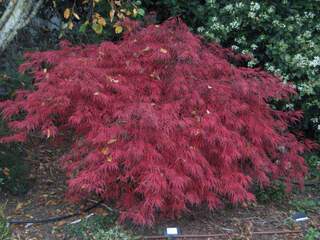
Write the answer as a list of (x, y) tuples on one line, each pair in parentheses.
[(83, 27), (97, 28), (141, 12)]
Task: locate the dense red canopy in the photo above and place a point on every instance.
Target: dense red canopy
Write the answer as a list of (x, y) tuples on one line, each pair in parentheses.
[(161, 121)]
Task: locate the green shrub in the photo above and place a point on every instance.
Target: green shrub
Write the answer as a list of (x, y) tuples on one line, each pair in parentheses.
[(13, 168), (4, 227), (282, 36), (10, 78)]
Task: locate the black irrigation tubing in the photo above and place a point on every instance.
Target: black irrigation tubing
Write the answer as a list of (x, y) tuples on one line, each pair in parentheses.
[(59, 218), (198, 236), (53, 219), (310, 184)]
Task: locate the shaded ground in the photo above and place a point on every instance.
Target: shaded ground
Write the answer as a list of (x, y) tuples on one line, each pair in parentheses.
[(46, 199)]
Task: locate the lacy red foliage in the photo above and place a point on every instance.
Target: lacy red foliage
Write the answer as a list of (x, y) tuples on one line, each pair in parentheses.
[(161, 121)]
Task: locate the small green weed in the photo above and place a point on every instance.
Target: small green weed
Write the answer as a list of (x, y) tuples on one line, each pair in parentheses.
[(4, 228), (113, 233), (306, 205), (313, 161), (275, 192), (98, 228), (312, 234)]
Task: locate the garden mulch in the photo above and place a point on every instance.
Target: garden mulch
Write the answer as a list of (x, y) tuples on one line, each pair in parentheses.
[(46, 198)]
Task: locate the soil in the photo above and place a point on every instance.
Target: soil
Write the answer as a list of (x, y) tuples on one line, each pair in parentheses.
[(46, 198)]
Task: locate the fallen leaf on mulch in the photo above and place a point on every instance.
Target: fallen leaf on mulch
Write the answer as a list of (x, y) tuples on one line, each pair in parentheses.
[(19, 207), (60, 223)]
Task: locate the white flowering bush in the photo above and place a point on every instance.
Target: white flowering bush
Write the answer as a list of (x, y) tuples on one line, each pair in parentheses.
[(282, 36)]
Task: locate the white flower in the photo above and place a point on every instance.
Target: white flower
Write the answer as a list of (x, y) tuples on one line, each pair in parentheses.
[(315, 62), (239, 5), (245, 51), (300, 88), (254, 6), (235, 24), (254, 46), (270, 68), (211, 2), (252, 63), (300, 60), (270, 9), (290, 106), (275, 23), (307, 34), (201, 29), (251, 14), (228, 8), (309, 15), (234, 47)]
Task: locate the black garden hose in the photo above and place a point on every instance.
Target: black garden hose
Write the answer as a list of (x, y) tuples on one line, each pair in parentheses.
[(53, 219)]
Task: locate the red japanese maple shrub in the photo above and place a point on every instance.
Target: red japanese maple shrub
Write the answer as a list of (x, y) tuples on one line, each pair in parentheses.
[(161, 121)]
